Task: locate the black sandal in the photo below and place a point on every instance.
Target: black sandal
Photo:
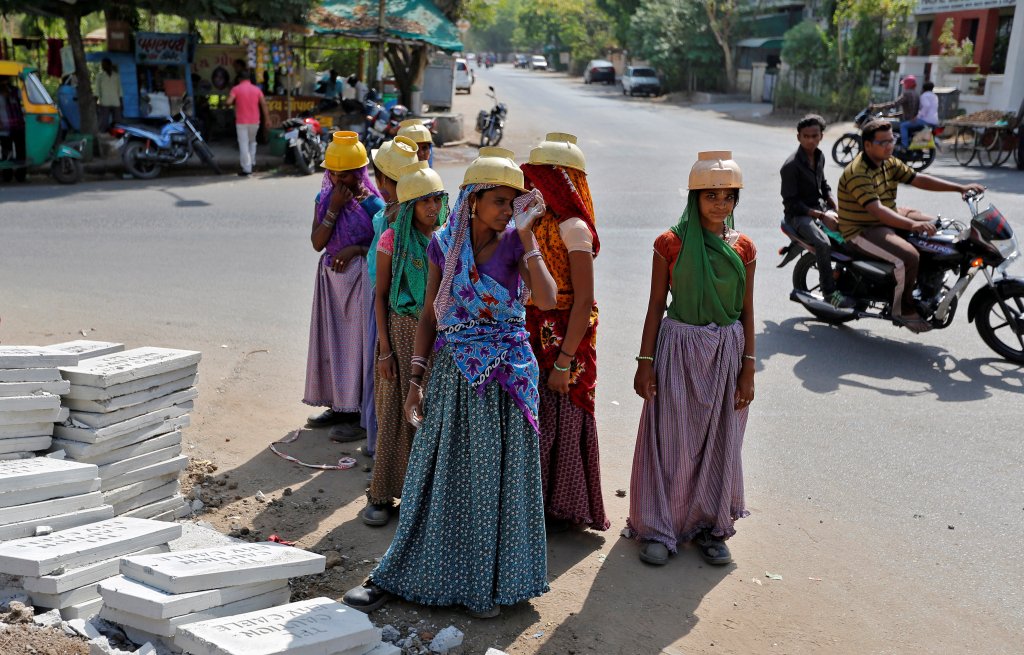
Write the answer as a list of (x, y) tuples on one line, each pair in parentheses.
[(712, 550)]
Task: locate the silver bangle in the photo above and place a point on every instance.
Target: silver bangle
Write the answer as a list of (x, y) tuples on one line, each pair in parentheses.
[(533, 253), (386, 357)]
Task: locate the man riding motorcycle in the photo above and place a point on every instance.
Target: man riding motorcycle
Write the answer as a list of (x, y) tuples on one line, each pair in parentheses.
[(909, 103), (869, 218)]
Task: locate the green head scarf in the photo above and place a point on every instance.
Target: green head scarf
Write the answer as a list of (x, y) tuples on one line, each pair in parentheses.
[(709, 279), (409, 260)]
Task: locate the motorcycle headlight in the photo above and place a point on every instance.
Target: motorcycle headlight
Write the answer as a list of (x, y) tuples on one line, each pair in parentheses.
[(1009, 249)]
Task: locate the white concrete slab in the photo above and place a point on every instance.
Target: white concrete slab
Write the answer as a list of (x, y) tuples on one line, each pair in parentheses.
[(38, 494), (43, 472), (18, 444), (175, 464), (86, 349), (168, 627), (167, 509), (34, 357), (138, 462), (40, 400), (78, 547), (132, 596), (41, 429), (66, 599), (59, 522), (128, 365), (85, 575), (319, 626), (102, 420), (30, 375), (8, 389), (20, 454), (212, 568), (128, 400), (84, 611), (40, 510), (52, 415), (85, 392), (165, 491), (129, 491), (87, 434), (126, 446)]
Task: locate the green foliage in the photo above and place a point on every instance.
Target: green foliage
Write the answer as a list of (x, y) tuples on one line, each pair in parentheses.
[(805, 47), (578, 26), (675, 38), (492, 31), (621, 13)]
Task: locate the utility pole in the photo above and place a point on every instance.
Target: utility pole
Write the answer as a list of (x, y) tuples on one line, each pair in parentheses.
[(381, 12)]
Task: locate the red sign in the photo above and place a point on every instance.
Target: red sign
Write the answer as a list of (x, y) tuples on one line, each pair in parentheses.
[(161, 48)]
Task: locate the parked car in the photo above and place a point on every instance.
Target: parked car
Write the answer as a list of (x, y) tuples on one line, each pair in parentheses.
[(640, 79), (464, 77), (520, 61), (599, 70), (538, 63)]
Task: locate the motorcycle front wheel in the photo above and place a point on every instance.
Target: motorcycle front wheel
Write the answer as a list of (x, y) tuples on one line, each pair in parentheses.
[(805, 278), (1001, 326), (206, 155), (921, 160), (140, 168), (66, 170), (845, 149)]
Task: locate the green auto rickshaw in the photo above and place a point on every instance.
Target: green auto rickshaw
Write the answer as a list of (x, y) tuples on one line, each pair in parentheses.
[(30, 128)]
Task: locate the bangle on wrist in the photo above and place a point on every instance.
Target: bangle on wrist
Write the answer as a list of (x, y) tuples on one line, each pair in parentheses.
[(531, 254), (384, 357), (560, 369), (750, 357), (642, 358), (562, 350)]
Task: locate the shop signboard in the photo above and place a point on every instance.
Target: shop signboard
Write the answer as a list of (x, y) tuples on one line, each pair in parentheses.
[(277, 106), (161, 48), (946, 6), (217, 68)]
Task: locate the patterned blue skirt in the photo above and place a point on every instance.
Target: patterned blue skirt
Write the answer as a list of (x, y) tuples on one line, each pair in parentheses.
[(471, 529)]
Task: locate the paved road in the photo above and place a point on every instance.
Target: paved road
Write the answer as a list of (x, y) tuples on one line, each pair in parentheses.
[(908, 446)]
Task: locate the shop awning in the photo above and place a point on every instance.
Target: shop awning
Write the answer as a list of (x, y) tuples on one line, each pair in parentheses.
[(413, 20), (769, 42)]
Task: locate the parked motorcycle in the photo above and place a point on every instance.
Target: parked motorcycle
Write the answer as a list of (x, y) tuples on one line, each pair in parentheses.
[(917, 157), (146, 149), (381, 123), (491, 124), (950, 260), (306, 143)]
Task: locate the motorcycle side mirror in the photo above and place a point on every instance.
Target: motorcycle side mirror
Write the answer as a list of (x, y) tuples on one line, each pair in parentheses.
[(491, 88)]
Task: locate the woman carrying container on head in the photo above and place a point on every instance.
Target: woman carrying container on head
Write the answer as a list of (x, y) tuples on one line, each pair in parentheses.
[(339, 356), (565, 338), (418, 132), (695, 371), (401, 286), (471, 529)]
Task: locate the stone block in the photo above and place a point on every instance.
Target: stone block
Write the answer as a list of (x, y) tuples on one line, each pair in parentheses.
[(51, 415), (384, 649), (39, 429), (36, 401), (85, 611), (58, 583), (8, 389), (30, 375), (212, 568), (167, 509), (168, 627), (66, 599), (34, 357), (86, 392), (43, 472), (24, 444), (87, 434), (86, 349), (139, 442), (131, 399), (78, 547), (175, 464), (102, 420), (129, 365), (39, 494), (84, 628), (59, 522), (169, 488), (18, 454), (319, 626), (132, 596), (139, 462), (54, 507)]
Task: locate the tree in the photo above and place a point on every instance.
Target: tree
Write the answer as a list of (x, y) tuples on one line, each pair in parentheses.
[(723, 18), (574, 25), (676, 38), (870, 34)]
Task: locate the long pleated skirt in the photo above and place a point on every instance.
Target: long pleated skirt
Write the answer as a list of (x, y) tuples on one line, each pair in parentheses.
[(368, 415), (687, 473), (471, 530), (339, 356)]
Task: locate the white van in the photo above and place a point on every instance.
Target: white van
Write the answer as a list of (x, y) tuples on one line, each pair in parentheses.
[(464, 77)]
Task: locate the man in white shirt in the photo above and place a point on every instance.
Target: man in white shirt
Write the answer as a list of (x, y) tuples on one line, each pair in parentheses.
[(927, 113), (108, 95)]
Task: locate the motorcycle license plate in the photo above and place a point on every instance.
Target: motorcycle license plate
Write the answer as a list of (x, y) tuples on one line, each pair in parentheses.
[(380, 125), (291, 134)]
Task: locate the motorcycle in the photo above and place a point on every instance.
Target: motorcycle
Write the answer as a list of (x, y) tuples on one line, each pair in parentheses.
[(919, 156), (381, 124), (950, 260), (146, 149), (306, 143), (491, 124)]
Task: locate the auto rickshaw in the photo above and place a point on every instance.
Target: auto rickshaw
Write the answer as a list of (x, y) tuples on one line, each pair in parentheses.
[(30, 137)]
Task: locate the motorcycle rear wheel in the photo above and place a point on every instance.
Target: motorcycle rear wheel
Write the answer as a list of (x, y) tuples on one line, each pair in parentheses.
[(206, 155), (303, 159), (491, 136), (846, 149), (922, 161), (1003, 331), (144, 170), (66, 170), (805, 278)]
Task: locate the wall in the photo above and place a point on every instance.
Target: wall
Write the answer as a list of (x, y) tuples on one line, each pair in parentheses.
[(988, 23)]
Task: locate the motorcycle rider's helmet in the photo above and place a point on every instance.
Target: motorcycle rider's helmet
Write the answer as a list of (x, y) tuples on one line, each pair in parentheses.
[(392, 156), (399, 112), (909, 81), (417, 181), (344, 153), (414, 129), (495, 166), (559, 149), (715, 169)]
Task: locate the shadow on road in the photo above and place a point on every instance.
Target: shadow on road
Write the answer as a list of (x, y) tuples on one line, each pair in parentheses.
[(832, 357)]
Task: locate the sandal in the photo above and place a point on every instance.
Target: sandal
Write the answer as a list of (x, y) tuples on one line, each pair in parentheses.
[(914, 323), (328, 417), (491, 612), (366, 598), (712, 549), (654, 553), (346, 432), (376, 514)]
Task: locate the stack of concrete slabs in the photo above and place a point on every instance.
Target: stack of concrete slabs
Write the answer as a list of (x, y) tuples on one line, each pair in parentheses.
[(29, 384), (49, 492)]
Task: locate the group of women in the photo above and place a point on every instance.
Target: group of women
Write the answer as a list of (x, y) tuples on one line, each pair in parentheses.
[(465, 338)]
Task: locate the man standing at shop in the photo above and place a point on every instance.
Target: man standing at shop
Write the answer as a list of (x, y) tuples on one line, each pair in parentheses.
[(250, 106), (108, 85)]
